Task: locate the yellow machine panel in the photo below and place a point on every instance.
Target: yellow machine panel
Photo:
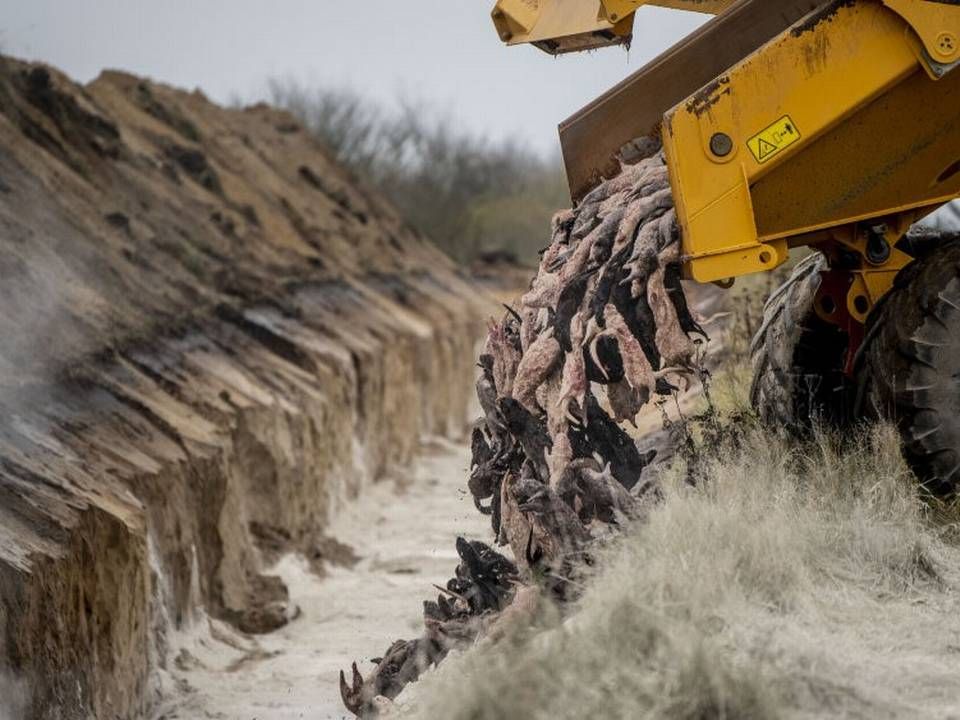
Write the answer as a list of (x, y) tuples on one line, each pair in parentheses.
[(817, 118), (833, 124), (836, 121), (620, 8), (560, 26)]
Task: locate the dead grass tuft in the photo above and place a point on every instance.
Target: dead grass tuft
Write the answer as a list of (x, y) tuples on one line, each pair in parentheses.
[(789, 582)]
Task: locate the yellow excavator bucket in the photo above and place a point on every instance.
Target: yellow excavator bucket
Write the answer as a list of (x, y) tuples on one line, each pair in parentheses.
[(561, 26)]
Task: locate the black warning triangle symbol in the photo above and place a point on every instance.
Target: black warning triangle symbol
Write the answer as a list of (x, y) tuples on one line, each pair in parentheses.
[(766, 148)]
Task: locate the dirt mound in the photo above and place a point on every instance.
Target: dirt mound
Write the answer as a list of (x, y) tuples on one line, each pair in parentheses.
[(211, 335)]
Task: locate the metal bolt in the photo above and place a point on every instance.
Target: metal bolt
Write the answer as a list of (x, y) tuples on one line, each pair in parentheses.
[(721, 144), (947, 44), (878, 249)]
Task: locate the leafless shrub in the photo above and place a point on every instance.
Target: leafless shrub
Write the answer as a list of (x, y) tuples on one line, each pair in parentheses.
[(467, 193)]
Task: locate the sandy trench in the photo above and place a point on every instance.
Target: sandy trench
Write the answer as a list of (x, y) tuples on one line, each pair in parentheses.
[(404, 531)]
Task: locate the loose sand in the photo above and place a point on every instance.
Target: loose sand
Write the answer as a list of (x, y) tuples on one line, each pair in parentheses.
[(404, 532)]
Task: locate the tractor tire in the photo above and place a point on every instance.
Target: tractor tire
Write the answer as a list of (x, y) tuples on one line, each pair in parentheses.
[(797, 358), (908, 367)]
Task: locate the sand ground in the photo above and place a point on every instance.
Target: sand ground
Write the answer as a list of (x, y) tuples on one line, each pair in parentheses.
[(404, 533)]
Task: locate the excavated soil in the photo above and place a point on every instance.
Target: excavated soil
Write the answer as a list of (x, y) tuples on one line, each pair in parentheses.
[(213, 338)]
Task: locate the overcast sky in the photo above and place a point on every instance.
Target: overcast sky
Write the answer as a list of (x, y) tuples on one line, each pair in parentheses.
[(443, 51)]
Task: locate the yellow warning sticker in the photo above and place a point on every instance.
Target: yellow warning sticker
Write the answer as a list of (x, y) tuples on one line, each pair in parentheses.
[(774, 139)]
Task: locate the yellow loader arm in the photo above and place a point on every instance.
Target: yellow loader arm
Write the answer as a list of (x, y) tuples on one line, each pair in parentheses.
[(833, 124), (784, 123), (850, 116), (561, 26)]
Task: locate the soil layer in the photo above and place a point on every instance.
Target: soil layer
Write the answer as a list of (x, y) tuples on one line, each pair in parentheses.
[(213, 339)]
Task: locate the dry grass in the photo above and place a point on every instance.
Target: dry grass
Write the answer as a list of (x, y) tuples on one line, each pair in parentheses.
[(791, 582), (795, 580)]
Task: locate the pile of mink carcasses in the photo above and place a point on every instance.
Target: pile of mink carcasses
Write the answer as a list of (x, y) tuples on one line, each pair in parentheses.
[(552, 465)]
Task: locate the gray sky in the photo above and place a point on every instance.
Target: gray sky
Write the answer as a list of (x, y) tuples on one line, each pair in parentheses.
[(443, 51)]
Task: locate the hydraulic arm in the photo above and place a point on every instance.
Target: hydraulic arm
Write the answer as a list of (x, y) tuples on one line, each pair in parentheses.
[(786, 124), (561, 26)]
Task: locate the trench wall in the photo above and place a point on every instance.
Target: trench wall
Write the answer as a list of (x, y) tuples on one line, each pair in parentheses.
[(214, 338)]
